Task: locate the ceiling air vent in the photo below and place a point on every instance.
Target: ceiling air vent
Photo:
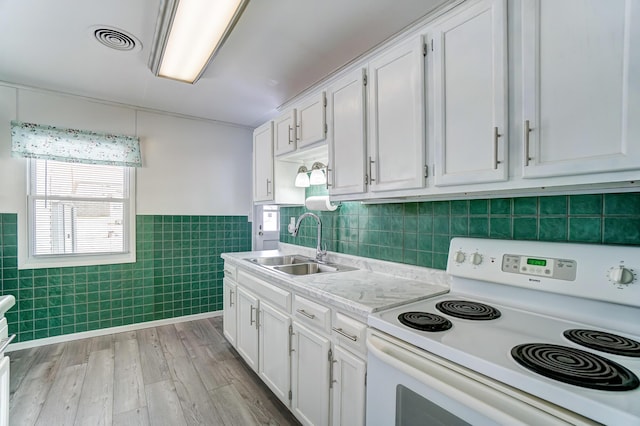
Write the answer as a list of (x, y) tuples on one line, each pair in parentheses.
[(115, 38)]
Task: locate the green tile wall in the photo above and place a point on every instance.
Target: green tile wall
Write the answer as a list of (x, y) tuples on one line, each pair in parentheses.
[(178, 272), (419, 233)]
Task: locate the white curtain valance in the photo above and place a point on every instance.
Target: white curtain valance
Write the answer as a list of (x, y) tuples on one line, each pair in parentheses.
[(44, 142)]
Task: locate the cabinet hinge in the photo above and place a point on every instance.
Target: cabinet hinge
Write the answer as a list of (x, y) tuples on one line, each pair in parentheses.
[(290, 395), (426, 171), (424, 49), (432, 45), (326, 128), (366, 179), (365, 379), (330, 355), (364, 78), (325, 101)]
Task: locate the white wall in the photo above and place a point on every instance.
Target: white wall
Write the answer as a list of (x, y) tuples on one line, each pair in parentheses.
[(190, 166), (193, 167)]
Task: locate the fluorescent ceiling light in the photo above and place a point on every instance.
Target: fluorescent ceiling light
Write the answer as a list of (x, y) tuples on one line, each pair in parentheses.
[(189, 34)]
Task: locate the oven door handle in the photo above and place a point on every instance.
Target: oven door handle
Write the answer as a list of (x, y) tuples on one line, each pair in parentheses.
[(471, 389)]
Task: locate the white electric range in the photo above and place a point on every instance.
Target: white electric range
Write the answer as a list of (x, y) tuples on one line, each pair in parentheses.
[(530, 333)]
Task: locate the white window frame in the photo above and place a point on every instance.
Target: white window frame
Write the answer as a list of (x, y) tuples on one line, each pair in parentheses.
[(26, 260)]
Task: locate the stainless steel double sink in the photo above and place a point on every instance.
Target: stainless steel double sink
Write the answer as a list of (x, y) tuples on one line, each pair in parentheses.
[(296, 264)]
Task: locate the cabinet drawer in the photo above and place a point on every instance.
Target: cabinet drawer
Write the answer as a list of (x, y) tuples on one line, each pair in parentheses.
[(349, 332), (277, 296), (229, 271), (311, 313)]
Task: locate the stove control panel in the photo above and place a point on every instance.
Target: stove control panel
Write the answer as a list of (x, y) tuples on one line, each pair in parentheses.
[(559, 269), (590, 271)]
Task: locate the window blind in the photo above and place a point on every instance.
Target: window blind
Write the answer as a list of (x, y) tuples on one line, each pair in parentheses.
[(77, 208), (30, 140)]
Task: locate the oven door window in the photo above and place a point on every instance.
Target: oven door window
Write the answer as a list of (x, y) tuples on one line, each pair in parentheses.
[(414, 410)]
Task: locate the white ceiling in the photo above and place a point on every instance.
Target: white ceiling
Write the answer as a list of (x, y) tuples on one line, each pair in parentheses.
[(278, 49)]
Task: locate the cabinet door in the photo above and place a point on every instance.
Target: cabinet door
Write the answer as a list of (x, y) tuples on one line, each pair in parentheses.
[(275, 360), (470, 95), (348, 388), (347, 143), (229, 311), (263, 163), (396, 118), (284, 133), (310, 376), (248, 327), (311, 126), (581, 90)]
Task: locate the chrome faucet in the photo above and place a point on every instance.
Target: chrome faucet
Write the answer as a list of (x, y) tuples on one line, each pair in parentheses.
[(320, 252)]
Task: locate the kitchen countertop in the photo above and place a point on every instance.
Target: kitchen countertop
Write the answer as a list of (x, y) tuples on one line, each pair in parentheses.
[(374, 286)]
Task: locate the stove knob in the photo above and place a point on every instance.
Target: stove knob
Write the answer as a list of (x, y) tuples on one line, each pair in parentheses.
[(459, 257), (621, 275), (476, 258)]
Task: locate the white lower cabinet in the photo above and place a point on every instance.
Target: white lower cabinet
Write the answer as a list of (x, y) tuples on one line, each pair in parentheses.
[(348, 387), (311, 356), (310, 363), (274, 343), (247, 338), (229, 315)]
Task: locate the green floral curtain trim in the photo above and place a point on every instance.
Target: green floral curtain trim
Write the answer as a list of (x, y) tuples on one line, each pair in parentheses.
[(30, 140)]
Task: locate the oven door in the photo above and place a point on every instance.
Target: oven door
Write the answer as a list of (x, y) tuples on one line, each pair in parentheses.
[(407, 386)]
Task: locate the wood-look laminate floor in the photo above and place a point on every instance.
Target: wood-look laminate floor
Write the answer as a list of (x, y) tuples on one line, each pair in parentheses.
[(179, 374)]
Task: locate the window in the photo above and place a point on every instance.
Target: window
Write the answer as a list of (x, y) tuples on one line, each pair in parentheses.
[(270, 218), (79, 214)]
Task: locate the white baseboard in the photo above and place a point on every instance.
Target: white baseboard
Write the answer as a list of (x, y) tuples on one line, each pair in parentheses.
[(104, 331)]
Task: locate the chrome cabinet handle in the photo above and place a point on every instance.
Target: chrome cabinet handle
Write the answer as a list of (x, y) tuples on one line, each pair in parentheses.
[(251, 320), (290, 137), (291, 333), (371, 179), (268, 182), (231, 298), (342, 332), (326, 175), (5, 342), (331, 362), (527, 130), (305, 313), (496, 136)]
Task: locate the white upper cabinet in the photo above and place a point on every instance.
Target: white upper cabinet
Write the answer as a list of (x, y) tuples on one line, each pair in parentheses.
[(263, 163), (470, 95), (581, 87), (284, 133), (347, 135), (273, 181), (396, 139), (391, 155), (311, 120)]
